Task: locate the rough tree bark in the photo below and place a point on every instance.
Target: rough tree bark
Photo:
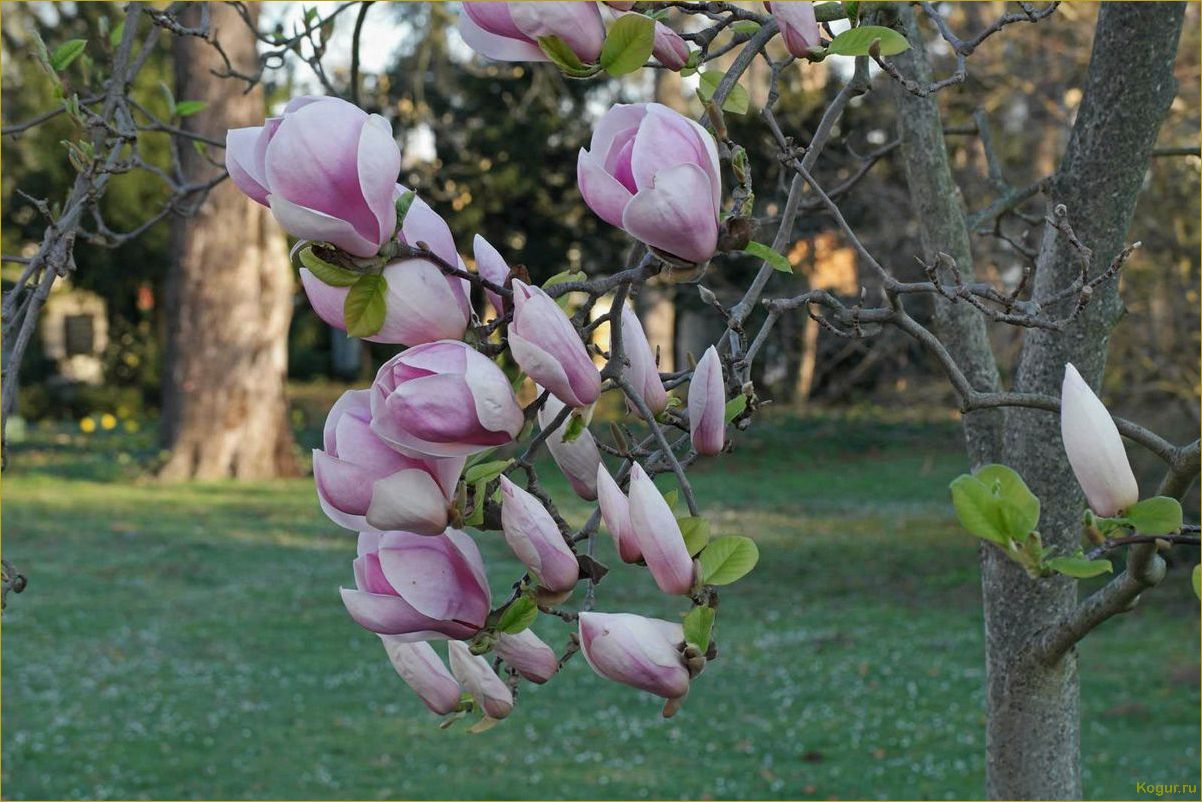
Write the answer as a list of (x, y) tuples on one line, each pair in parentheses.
[(1033, 736), (1033, 721), (229, 295)]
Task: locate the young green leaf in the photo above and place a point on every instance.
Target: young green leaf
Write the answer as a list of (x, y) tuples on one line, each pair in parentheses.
[(517, 616), (67, 52), (765, 252), (745, 27), (402, 207), (188, 107), (563, 57), (698, 624), (1080, 567), (1018, 507), (727, 559), (477, 516), (1195, 579), (325, 272), (976, 510), (202, 150), (737, 102), (696, 533), (486, 471), (364, 308), (735, 407), (1159, 515), (169, 97), (857, 41), (628, 44), (116, 34), (672, 496)]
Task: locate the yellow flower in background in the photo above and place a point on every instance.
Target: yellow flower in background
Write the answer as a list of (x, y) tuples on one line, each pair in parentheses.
[(131, 425), (87, 425), (108, 421)]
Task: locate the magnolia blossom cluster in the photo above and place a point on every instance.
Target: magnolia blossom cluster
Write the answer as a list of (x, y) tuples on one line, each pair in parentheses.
[(393, 457)]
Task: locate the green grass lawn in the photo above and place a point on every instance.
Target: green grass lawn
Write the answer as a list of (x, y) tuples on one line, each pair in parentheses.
[(188, 642)]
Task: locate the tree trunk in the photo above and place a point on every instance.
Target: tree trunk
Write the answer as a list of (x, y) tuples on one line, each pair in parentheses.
[(1033, 722), (1034, 728), (229, 295)]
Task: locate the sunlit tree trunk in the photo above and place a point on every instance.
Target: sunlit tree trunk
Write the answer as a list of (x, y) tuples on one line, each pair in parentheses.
[(229, 297)]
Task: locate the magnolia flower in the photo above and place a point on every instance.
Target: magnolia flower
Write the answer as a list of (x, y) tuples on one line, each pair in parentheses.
[(536, 540), (658, 535), (418, 587), (798, 26), (423, 303), (420, 666), (526, 652), (443, 399), (707, 404), (643, 372), (545, 344), (642, 652), (615, 511), (577, 458), (510, 31), (477, 676), (1095, 448), (364, 484), (654, 173), (326, 168), (491, 265)]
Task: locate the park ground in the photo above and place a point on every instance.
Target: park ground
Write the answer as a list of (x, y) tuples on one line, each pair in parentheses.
[(187, 641)]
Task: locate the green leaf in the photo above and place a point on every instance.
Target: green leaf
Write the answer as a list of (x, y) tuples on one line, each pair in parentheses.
[(672, 496), (737, 102), (563, 57), (201, 148), (735, 407), (116, 34), (1159, 515), (188, 107), (995, 504), (1018, 507), (857, 41), (517, 616), (67, 52), (576, 427), (325, 272), (727, 559), (364, 308), (477, 516), (402, 207), (778, 262), (486, 471), (1195, 579), (696, 533), (628, 44), (1080, 567), (698, 624), (745, 26), (169, 97), (561, 277)]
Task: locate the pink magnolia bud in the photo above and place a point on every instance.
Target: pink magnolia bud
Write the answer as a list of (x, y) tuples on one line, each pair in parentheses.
[(478, 678), (658, 535), (642, 652), (654, 173), (1095, 448), (536, 540), (364, 484), (418, 587), (579, 458), (510, 31), (424, 303), (443, 399), (545, 344), (707, 404), (615, 511), (326, 168), (423, 671), (798, 26), (643, 372), (491, 265), (526, 652)]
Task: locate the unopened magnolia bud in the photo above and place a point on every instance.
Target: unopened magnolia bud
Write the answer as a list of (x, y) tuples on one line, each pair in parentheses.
[(707, 295)]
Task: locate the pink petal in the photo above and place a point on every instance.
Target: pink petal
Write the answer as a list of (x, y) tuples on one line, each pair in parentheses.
[(669, 214)]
